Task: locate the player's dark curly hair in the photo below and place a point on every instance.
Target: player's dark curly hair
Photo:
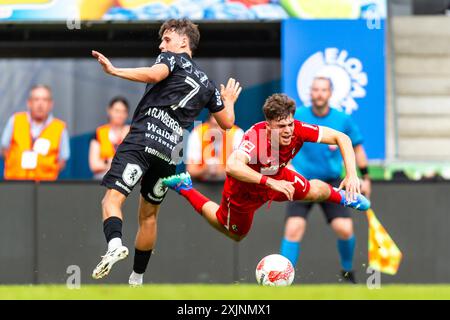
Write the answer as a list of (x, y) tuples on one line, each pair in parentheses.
[(183, 27), (278, 107)]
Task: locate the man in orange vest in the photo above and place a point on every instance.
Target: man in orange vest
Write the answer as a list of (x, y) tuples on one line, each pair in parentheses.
[(208, 148), (108, 137), (35, 144)]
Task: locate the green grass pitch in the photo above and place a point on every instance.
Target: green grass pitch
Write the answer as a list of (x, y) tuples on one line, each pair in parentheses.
[(225, 292)]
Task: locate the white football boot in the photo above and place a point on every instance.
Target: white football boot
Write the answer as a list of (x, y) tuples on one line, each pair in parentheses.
[(136, 280), (108, 260)]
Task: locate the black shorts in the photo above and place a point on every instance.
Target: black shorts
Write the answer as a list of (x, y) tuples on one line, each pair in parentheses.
[(330, 210), (130, 165)]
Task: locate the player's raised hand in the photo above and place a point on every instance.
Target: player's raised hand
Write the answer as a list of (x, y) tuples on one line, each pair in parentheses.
[(104, 62), (231, 92), (352, 186), (282, 186)]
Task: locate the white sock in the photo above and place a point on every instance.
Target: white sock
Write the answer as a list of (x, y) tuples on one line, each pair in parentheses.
[(114, 243), (137, 276)]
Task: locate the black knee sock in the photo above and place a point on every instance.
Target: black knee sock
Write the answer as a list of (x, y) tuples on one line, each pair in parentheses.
[(141, 259), (112, 227)]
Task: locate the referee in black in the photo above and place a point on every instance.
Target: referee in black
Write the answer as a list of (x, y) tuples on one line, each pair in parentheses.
[(176, 93)]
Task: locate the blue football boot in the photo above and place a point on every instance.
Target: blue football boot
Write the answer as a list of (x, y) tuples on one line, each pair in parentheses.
[(178, 182), (361, 203)]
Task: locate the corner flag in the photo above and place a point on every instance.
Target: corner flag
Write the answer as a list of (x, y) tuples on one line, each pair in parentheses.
[(384, 254)]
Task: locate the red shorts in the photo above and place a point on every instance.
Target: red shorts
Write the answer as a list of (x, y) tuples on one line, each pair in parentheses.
[(240, 200)]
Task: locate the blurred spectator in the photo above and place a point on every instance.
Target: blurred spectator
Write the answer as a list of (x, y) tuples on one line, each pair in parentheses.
[(208, 148), (108, 137), (35, 144)]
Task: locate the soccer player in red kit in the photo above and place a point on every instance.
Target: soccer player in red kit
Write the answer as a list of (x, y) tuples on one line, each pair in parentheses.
[(257, 172)]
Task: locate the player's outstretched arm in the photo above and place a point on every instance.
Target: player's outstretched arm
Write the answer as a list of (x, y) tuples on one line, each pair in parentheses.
[(351, 182), (229, 94), (237, 168), (152, 74)]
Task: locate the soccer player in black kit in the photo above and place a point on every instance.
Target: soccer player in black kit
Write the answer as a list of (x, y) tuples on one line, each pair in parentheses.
[(176, 93)]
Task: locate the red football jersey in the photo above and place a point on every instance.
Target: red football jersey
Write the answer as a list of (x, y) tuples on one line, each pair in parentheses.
[(268, 158)]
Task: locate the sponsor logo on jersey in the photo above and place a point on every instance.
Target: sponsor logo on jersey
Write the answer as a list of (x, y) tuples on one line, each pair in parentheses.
[(161, 132), (218, 97), (158, 154), (186, 65), (345, 72), (161, 141), (131, 174), (166, 119), (203, 77), (172, 62)]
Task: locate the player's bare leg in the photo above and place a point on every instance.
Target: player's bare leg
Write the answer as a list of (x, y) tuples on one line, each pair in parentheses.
[(321, 191), (207, 208), (318, 191), (112, 204), (147, 231), (145, 240), (112, 226)]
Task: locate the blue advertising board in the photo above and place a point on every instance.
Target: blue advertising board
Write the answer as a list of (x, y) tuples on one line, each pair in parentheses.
[(352, 54)]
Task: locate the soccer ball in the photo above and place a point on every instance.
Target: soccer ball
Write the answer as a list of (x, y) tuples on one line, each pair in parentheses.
[(275, 270)]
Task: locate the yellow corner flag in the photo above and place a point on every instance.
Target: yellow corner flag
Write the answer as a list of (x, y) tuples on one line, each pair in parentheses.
[(384, 254)]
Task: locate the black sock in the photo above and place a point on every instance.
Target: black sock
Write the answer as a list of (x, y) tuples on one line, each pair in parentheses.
[(112, 227), (141, 259)]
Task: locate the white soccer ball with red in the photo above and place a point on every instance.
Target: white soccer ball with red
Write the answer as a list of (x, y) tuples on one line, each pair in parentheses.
[(275, 270)]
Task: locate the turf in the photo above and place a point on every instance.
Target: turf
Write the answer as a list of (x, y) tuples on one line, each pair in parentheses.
[(225, 292)]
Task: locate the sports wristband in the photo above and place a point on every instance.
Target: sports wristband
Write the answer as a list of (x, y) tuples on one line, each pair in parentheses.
[(364, 171), (263, 180)]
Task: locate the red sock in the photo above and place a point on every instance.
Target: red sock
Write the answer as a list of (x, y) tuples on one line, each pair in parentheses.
[(195, 198), (335, 196)]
